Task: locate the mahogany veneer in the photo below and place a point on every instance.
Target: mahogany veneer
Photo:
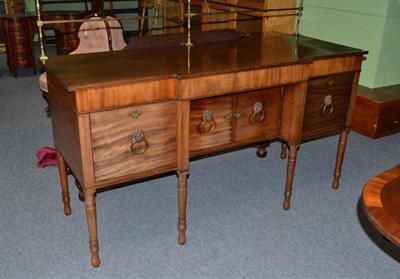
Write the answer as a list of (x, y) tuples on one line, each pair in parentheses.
[(380, 199), (148, 111)]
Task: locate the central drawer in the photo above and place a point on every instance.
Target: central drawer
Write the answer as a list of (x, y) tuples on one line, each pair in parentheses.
[(248, 116), (135, 139)]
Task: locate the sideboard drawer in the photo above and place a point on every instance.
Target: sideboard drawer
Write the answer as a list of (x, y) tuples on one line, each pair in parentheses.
[(134, 139), (206, 133), (327, 103), (259, 113)]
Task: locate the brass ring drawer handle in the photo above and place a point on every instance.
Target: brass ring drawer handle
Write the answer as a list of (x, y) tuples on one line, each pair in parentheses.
[(139, 144), (208, 125), (327, 109), (258, 113)]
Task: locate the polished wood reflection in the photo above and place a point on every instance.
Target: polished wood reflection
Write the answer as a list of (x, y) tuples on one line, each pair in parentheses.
[(381, 201)]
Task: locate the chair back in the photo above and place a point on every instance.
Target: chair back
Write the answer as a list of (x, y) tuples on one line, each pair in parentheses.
[(98, 35)]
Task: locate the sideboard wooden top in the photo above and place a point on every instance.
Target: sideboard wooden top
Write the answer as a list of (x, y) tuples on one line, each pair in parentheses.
[(252, 52)]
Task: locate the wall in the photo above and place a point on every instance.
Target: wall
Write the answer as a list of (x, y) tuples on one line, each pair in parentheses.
[(373, 25)]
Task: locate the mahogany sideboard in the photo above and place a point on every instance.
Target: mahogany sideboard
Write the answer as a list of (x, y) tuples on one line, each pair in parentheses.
[(148, 111)]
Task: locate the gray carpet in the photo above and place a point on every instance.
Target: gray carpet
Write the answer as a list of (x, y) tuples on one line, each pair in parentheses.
[(236, 225)]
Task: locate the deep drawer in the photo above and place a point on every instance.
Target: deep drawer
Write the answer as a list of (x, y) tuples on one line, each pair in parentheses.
[(327, 104), (118, 150)]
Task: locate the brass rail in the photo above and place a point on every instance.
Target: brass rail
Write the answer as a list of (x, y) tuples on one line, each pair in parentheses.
[(189, 15)]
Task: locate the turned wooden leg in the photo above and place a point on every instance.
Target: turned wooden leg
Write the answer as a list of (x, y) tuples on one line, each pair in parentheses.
[(182, 197), (290, 175), (283, 150), (90, 206), (81, 195), (62, 170), (339, 158), (262, 149)]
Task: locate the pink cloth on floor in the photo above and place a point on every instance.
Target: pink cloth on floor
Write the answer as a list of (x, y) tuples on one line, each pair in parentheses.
[(47, 156)]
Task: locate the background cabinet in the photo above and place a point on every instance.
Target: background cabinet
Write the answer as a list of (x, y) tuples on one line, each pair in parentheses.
[(243, 15), (18, 31)]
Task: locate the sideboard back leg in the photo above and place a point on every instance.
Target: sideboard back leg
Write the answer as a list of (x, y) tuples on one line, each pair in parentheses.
[(290, 175), (62, 169), (284, 148), (262, 149), (90, 205), (182, 197), (339, 157)]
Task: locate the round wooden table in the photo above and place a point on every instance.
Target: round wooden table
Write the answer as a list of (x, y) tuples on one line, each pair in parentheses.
[(381, 201)]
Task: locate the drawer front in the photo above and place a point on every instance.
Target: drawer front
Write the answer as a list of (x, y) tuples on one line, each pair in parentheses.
[(18, 25), (22, 61), (117, 152), (257, 114), (21, 49), (202, 133), (327, 104), (21, 36), (389, 121)]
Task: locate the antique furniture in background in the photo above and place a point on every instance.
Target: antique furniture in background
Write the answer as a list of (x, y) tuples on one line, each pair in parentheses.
[(381, 204), (2, 11), (14, 6), (9, 7), (152, 109), (94, 36), (246, 16), (377, 111), (18, 31)]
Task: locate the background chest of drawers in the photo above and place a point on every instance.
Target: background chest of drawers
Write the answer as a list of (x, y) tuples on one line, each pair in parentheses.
[(18, 31)]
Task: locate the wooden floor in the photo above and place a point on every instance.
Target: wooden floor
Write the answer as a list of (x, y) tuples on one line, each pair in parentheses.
[(381, 201)]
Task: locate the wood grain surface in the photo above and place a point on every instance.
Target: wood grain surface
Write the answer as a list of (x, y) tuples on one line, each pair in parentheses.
[(381, 201)]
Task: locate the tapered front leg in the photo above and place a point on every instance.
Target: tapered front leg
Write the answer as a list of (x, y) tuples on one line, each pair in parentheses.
[(290, 175), (90, 206), (339, 158), (182, 197), (62, 170)]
